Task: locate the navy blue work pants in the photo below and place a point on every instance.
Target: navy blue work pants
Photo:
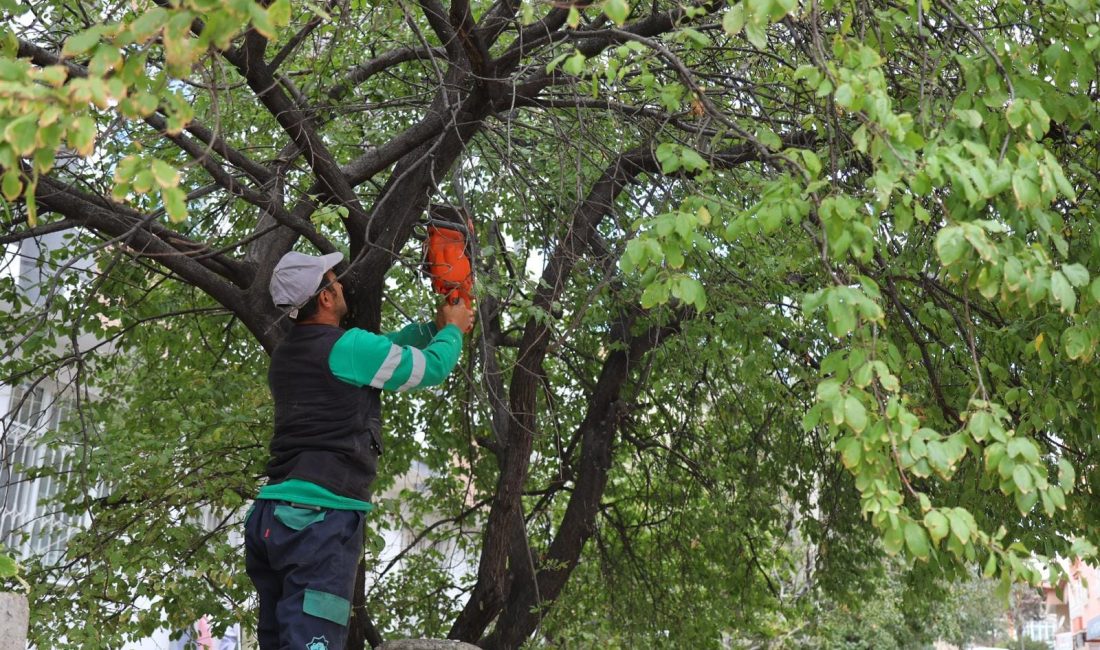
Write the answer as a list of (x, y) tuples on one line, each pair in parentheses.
[(303, 562)]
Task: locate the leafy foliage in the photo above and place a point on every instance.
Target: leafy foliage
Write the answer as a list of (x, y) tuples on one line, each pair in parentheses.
[(767, 289)]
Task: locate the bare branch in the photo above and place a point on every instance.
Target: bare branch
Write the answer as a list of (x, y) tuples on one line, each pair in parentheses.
[(368, 69)]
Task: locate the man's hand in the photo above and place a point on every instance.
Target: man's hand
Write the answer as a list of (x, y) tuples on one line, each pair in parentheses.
[(458, 315)]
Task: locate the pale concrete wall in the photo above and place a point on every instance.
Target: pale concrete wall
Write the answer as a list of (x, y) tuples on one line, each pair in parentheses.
[(14, 615)]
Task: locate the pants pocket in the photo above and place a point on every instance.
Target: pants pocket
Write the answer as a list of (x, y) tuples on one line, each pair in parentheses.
[(296, 518), (327, 606)]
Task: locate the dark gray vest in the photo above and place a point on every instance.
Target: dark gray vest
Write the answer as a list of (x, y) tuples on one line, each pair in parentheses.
[(327, 431)]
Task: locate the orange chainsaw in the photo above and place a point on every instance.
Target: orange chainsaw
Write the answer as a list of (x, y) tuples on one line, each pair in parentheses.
[(448, 251)]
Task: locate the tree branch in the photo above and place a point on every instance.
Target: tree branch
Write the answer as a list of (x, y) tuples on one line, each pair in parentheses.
[(491, 591), (368, 69), (257, 172), (437, 19), (149, 239), (38, 231), (529, 600), (293, 43)]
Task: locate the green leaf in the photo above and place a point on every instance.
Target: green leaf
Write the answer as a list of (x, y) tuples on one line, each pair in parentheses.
[(81, 42), (1039, 122), (262, 22), (842, 313), (851, 450), (655, 294), (950, 244), (21, 134), (668, 155), (617, 10), (31, 202), (862, 375), (979, 424), (1057, 497), (1062, 293), (1021, 476), (1025, 501), (1077, 342), (279, 13), (981, 242), (781, 8), (574, 64), (757, 35), (960, 525), (145, 103), (769, 139), (691, 291), (1066, 475), (82, 134), (8, 567), (573, 19), (12, 69), (144, 181), (990, 568), (691, 160), (1023, 448), (1060, 180), (812, 162), (148, 24), (175, 203), (1017, 114), (844, 95), (12, 185), (376, 544), (1025, 189), (165, 174), (893, 540), (811, 418), (971, 118), (54, 75), (1013, 271), (1077, 274), (937, 525), (903, 218), (916, 540), (828, 391), (855, 415), (734, 20)]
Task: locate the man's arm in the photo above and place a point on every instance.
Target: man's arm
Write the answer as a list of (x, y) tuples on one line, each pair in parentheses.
[(362, 358), (417, 335), (420, 334)]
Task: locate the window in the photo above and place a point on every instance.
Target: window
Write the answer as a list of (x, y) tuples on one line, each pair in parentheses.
[(26, 403), (1041, 629), (62, 410), (27, 525)]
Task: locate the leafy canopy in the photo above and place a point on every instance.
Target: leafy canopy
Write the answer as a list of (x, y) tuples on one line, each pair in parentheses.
[(767, 289)]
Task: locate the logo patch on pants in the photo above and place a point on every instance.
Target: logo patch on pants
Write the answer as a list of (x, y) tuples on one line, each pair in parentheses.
[(317, 643)]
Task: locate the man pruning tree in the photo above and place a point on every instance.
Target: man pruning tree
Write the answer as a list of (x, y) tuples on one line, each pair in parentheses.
[(304, 535)]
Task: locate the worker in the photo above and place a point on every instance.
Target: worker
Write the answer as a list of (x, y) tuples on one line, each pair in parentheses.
[(304, 534)]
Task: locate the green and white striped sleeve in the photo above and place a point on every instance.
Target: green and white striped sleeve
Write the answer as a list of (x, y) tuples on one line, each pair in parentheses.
[(362, 358), (417, 335)]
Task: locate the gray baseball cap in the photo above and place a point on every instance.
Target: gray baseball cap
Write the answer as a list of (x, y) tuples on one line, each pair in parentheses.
[(297, 276)]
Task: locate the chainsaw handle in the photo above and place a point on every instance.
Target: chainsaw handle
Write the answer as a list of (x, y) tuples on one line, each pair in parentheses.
[(455, 313)]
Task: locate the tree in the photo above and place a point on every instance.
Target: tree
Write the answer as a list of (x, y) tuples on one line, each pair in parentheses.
[(748, 271), (963, 613), (1026, 605), (971, 615)]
